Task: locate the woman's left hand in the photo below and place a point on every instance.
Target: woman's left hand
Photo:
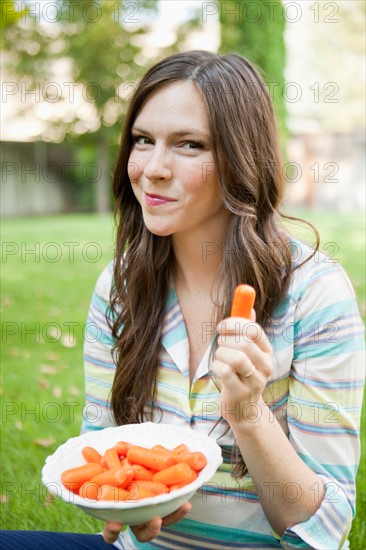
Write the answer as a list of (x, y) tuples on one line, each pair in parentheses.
[(243, 364)]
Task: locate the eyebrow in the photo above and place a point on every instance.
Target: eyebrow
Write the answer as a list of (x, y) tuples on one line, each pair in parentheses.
[(179, 133)]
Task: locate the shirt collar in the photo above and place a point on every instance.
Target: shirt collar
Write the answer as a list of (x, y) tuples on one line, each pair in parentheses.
[(175, 338)]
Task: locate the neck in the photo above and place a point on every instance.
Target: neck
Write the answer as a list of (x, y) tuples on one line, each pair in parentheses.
[(197, 259)]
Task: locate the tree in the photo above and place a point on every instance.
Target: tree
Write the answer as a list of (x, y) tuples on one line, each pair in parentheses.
[(9, 16), (75, 54), (255, 29)]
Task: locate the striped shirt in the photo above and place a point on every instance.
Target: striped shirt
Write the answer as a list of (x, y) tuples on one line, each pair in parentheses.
[(315, 392)]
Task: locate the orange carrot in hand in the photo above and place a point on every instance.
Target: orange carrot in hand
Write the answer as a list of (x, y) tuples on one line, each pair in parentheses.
[(243, 301)]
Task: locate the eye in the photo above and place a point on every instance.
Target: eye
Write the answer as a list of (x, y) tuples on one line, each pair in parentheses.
[(190, 145), (140, 140)]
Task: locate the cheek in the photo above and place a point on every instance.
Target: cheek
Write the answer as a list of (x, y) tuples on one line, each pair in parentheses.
[(200, 182), (134, 168), (195, 180)]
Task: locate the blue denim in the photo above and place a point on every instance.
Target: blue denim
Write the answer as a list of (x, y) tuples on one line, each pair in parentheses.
[(48, 540)]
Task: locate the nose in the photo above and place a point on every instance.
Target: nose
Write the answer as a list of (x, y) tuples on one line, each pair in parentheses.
[(158, 167)]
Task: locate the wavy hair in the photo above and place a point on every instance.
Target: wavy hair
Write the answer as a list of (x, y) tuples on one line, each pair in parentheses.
[(247, 156)]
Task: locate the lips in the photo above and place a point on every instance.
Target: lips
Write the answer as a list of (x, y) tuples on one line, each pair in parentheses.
[(159, 197), (156, 200)]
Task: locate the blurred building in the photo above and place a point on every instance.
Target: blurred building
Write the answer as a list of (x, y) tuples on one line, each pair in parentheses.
[(36, 179)]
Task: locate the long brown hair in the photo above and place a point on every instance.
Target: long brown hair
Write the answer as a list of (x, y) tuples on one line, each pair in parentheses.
[(248, 162)]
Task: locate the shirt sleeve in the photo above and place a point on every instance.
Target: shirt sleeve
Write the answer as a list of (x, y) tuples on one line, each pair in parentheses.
[(325, 399), (99, 367)]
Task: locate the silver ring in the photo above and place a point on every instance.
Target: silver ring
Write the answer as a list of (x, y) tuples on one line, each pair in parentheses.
[(249, 374)]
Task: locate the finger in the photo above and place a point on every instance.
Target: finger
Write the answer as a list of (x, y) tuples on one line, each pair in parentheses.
[(233, 383), (178, 514), (239, 361), (242, 329), (244, 357), (239, 344), (222, 370), (147, 531), (227, 376), (111, 531)]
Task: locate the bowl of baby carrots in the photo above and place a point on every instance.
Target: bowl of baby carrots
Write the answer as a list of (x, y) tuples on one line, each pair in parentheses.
[(132, 473)]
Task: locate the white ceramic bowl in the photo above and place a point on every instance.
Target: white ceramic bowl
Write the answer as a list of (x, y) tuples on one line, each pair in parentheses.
[(146, 434)]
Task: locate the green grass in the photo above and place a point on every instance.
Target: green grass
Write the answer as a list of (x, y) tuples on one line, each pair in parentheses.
[(42, 371)]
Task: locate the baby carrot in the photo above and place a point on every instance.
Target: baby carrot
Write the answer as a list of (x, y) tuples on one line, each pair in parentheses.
[(154, 486), (125, 475), (177, 486), (112, 458), (122, 448), (196, 460), (91, 455), (182, 448), (156, 460), (162, 449), (117, 476), (90, 490), (141, 473), (110, 492), (77, 476), (179, 473), (193, 477), (243, 301), (135, 492)]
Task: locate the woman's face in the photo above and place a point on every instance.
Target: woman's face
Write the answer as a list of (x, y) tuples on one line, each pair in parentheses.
[(171, 166)]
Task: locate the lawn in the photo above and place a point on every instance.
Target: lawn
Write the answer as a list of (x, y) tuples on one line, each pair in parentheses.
[(49, 269)]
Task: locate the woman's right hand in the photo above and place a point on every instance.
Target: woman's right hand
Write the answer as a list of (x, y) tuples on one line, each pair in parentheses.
[(147, 531)]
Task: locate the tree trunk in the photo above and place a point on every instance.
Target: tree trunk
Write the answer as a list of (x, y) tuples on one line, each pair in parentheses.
[(255, 29), (103, 180)]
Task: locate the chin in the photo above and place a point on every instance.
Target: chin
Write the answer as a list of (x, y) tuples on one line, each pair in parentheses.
[(159, 231)]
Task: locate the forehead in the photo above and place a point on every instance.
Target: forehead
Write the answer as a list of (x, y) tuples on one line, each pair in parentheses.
[(177, 104)]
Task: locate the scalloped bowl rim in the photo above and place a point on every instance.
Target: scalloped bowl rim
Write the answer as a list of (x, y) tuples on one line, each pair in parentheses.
[(107, 437)]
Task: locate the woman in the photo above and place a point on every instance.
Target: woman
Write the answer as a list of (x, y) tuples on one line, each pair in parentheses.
[(198, 185)]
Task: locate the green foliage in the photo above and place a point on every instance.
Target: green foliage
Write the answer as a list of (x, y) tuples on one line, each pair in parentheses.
[(9, 17), (256, 31), (94, 52), (98, 54), (89, 51)]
